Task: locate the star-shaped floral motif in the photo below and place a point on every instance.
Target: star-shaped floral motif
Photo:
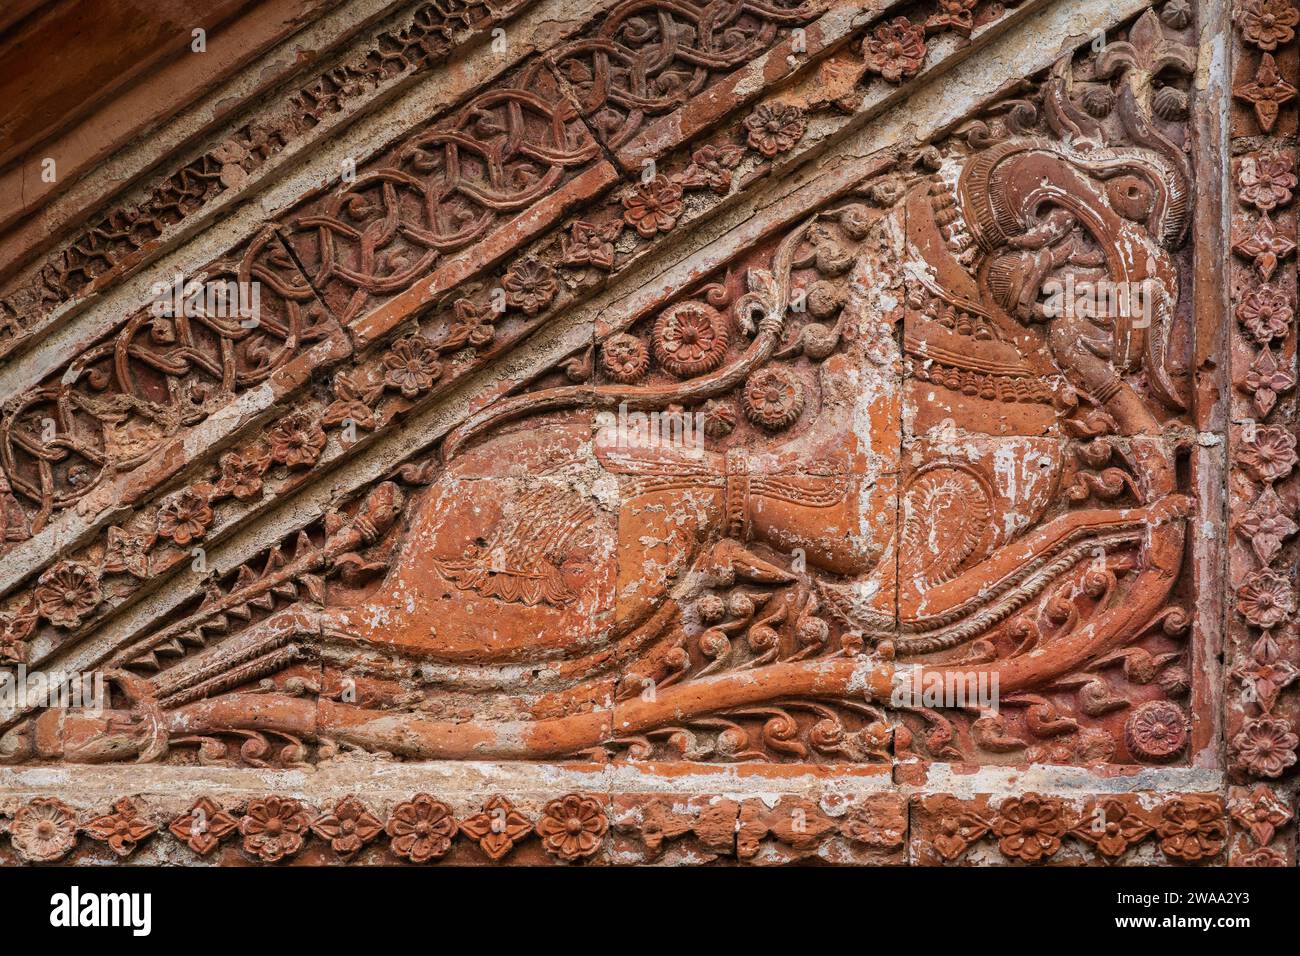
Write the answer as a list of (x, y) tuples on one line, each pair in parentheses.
[(1112, 826), (203, 826), (15, 628), (353, 399), (123, 829), (1266, 525), (128, 552), (1266, 673), (472, 326), (497, 827), (348, 827), (591, 245), (1260, 813), (956, 826), (956, 15), (1267, 93), (1265, 247), (1265, 380)]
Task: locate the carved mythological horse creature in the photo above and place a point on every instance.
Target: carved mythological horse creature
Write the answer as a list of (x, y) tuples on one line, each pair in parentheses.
[(892, 410)]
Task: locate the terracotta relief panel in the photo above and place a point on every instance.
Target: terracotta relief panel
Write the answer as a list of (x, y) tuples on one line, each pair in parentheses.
[(734, 433)]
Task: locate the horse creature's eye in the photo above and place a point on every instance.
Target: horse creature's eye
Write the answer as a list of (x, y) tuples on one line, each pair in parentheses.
[(1131, 196)]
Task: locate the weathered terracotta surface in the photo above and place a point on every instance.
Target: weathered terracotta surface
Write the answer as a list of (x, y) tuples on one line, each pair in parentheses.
[(630, 444)]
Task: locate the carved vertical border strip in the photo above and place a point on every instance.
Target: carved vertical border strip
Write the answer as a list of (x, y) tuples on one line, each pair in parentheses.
[(1261, 648)]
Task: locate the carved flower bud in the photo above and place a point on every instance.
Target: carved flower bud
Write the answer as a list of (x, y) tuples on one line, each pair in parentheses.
[(813, 630), (714, 643), (823, 299), (773, 398), (732, 741), (832, 259), (1098, 101), (1175, 681), (762, 638), (740, 605), (1177, 14), (711, 608), (818, 341), (625, 358), (719, 418), (1170, 103), (855, 220), (929, 158)]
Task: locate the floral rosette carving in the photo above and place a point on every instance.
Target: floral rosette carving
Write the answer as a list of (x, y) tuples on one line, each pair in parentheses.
[(1157, 730), (690, 339), (1030, 828), (530, 286), (774, 128), (1266, 743), (296, 441), (44, 830), (185, 517), (67, 593), (421, 829), (653, 207), (625, 358), (1266, 314), (1191, 828), (1263, 744), (773, 398), (1265, 24), (1265, 182), (411, 366), (895, 50), (274, 828), (573, 827)]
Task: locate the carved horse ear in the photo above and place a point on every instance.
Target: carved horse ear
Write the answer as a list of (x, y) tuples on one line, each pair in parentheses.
[(1082, 132), (1066, 120), (1176, 212)]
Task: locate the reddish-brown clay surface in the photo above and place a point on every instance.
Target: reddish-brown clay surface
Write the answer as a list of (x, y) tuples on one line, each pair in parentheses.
[(759, 433)]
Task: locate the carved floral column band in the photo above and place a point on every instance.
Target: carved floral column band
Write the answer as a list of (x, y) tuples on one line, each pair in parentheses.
[(673, 432), (1262, 648)]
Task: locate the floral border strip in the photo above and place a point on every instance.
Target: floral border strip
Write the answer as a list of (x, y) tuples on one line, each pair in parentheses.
[(274, 828), (1262, 650), (1032, 828), (891, 828)]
